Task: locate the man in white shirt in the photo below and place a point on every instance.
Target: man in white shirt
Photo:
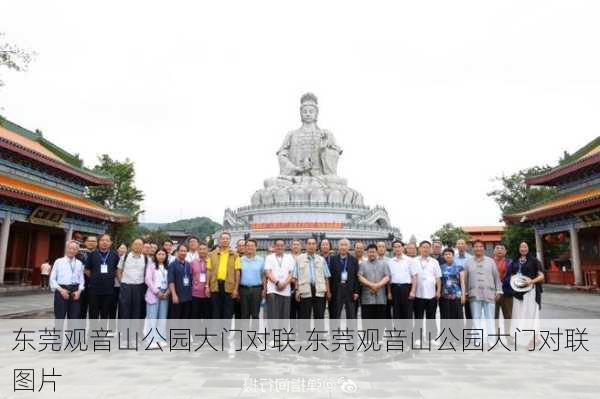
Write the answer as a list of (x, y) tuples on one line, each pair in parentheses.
[(131, 272), (429, 286), (279, 268), (193, 245), (411, 250), (67, 282), (359, 252), (403, 282)]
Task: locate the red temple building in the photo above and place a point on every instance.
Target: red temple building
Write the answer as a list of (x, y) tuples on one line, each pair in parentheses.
[(42, 203), (572, 216), (489, 235)]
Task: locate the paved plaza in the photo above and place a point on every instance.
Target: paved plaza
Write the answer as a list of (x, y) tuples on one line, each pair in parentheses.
[(271, 374), (208, 374), (558, 303)]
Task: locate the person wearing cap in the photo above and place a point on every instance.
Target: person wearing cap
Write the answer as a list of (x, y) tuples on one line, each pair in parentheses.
[(527, 301), (483, 288)]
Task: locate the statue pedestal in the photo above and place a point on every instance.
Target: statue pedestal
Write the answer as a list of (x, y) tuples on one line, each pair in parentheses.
[(328, 189)]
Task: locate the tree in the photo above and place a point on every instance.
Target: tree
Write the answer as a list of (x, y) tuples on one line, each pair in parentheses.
[(156, 236), (448, 234), (515, 196), (13, 58), (122, 196)]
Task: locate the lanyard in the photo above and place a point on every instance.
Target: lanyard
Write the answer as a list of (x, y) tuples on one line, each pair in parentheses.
[(311, 266), (521, 263), (72, 265), (163, 273), (279, 262), (104, 258), (344, 264)]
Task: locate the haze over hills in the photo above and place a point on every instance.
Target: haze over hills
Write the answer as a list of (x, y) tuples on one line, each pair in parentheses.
[(199, 226)]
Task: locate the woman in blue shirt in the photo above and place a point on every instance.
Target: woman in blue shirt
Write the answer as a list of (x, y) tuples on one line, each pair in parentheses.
[(453, 297)]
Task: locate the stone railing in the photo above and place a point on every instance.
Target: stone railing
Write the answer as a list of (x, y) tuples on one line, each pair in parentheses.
[(347, 226), (302, 204)]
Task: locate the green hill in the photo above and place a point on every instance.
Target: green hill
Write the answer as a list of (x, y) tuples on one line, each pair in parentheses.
[(199, 226)]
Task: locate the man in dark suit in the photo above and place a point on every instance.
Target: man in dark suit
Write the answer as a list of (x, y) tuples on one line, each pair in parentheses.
[(344, 283)]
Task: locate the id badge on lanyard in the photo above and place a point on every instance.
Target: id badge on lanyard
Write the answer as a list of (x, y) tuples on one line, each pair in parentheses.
[(163, 279), (104, 265), (344, 276), (186, 277), (520, 271), (73, 278)]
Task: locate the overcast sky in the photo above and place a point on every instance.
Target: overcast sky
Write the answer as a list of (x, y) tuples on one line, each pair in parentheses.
[(428, 99)]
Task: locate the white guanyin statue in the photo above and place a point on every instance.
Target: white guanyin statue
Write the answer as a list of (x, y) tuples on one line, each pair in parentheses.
[(308, 160)]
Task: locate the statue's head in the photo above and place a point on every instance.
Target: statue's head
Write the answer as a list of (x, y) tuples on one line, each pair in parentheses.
[(309, 108)]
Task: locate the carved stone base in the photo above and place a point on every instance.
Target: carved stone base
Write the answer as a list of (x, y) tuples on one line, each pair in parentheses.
[(328, 189)]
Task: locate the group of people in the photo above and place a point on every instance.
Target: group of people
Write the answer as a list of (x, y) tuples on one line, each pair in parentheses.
[(192, 281)]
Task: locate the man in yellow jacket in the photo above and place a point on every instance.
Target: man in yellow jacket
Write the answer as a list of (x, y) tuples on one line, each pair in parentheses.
[(224, 267)]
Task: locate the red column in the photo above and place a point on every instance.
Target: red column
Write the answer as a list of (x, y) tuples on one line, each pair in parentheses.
[(40, 252)]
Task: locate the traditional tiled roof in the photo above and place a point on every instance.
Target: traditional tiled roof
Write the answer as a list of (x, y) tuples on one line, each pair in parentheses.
[(34, 146), (483, 229), (484, 233), (559, 205), (30, 192), (586, 156)]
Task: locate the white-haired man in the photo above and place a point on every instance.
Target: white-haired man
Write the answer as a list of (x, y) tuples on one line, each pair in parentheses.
[(67, 282)]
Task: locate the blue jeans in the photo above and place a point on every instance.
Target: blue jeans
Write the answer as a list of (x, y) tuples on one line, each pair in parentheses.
[(477, 307), (156, 321)]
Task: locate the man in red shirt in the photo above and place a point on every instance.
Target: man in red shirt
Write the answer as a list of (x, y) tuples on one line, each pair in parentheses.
[(506, 300)]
